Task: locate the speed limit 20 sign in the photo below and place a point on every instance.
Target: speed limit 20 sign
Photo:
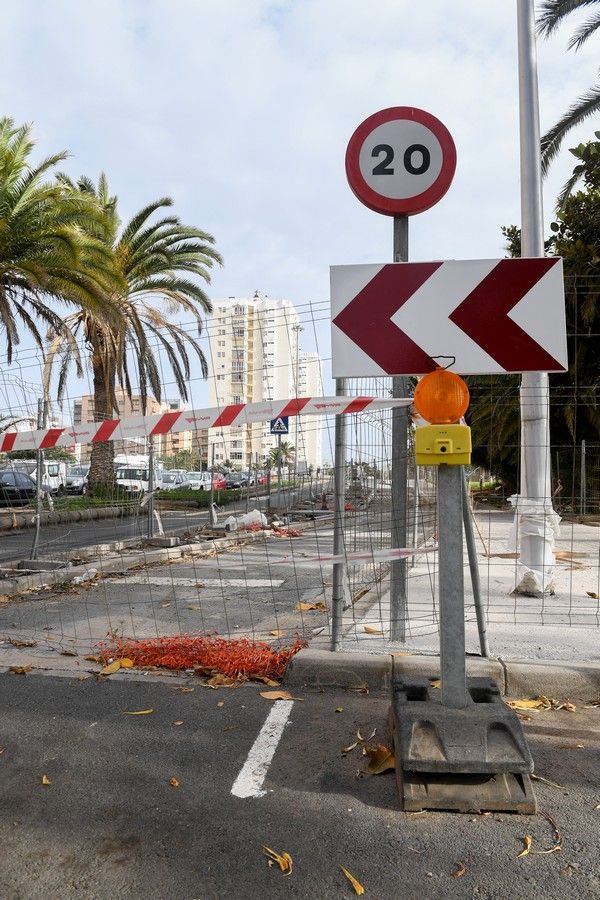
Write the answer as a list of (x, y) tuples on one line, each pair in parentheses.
[(400, 161)]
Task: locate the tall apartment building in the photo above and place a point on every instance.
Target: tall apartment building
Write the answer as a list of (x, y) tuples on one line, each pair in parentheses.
[(165, 445), (255, 356)]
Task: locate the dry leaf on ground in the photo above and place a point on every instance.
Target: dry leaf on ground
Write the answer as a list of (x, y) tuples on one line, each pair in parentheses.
[(2, 750), (339, 709), (4, 598), (371, 629), (358, 888), (69, 653), (305, 607), (219, 680), (435, 682), (460, 870), (220, 704), (527, 842), (265, 680), (96, 659), (534, 703), (46, 780), (22, 643), (277, 632), (592, 594), (350, 748), (19, 670), (278, 695), (381, 758), (173, 782), (557, 846), (178, 722), (283, 860), (184, 690), (111, 668), (126, 663), (138, 712)]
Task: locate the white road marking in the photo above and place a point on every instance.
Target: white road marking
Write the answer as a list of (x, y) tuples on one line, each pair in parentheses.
[(161, 581), (250, 780)]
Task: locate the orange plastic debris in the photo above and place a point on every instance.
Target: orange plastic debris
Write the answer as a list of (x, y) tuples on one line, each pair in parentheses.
[(233, 657)]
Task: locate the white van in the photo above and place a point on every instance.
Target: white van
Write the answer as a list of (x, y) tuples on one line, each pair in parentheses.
[(199, 481), (54, 472), (132, 472)]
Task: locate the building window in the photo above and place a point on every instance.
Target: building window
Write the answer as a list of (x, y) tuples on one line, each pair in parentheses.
[(237, 398), (236, 456), (237, 377), (238, 310), (238, 332), (220, 378), (221, 354)]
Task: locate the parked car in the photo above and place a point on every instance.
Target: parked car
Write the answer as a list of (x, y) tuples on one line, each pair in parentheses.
[(54, 473), (173, 481), (250, 478), (16, 488), (199, 481), (235, 480), (219, 482), (262, 478), (77, 480)]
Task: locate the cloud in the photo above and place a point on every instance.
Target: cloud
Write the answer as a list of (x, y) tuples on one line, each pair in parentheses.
[(242, 109)]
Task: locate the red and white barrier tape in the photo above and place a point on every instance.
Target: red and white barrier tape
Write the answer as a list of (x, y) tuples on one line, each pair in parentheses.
[(353, 559), (191, 420)]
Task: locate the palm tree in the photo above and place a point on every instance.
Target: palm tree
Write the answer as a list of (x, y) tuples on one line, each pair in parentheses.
[(552, 14), (47, 251), (282, 455), (153, 258)]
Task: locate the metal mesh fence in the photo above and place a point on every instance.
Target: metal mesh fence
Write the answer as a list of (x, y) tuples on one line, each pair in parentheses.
[(274, 584)]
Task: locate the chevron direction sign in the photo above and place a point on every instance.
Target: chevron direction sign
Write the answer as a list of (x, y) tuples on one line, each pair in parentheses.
[(487, 315)]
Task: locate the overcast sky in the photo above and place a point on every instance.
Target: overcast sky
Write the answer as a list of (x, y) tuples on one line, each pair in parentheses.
[(241, 110)]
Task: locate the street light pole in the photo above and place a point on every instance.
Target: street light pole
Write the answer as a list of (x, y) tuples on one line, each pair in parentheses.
[(535, 516)]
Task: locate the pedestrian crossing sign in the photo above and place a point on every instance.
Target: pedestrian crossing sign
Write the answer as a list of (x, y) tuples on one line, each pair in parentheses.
[(280, 425)]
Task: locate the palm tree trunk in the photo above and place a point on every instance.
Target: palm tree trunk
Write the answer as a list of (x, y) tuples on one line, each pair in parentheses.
[(101, 478)]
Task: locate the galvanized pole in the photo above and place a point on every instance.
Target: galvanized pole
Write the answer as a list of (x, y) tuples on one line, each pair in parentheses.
[(151, 486), (474, 567), (339, 499), (582, 485), (398, 598), (452, 595), (279, 474), (535, 491), (42, 420)]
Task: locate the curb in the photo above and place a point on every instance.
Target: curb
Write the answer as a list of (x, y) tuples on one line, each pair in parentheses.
[(323, 669), (12, 587), (18, 520)]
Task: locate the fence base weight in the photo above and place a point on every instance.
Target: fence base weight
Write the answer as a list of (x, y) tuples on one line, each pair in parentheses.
[(470, 759)]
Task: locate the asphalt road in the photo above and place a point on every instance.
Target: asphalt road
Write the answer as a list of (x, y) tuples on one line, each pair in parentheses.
[(57, 540), (109, 824)]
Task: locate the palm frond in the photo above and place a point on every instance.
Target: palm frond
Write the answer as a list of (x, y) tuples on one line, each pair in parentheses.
[(584, 106)]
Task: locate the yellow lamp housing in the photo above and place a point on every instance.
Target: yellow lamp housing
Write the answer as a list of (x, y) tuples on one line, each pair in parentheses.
[(443, 444)]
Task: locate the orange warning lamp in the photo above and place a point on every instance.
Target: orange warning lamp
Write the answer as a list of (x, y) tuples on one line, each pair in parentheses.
[(441, 397)]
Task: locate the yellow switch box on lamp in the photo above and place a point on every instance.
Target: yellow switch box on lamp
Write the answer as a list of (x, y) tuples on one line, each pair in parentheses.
[(447, 444)]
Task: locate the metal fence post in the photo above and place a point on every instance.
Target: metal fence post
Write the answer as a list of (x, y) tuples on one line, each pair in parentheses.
[(451, 586), (151, 486), (582, 483), (398, 599), (339, 491), (42, 420)]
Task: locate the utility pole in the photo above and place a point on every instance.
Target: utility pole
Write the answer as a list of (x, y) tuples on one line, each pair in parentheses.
[(534, 512)]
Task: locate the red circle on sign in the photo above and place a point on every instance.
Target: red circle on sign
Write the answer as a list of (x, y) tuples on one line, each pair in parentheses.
[(407, 205)]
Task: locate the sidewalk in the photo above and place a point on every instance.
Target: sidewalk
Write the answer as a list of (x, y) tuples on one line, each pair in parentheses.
[(563, 626)]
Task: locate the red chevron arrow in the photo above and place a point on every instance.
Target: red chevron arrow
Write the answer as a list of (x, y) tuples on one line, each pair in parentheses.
[(483, 316), (366, 320)]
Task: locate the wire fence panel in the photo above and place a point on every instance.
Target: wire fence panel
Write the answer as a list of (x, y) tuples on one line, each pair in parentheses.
[(250, 561)]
